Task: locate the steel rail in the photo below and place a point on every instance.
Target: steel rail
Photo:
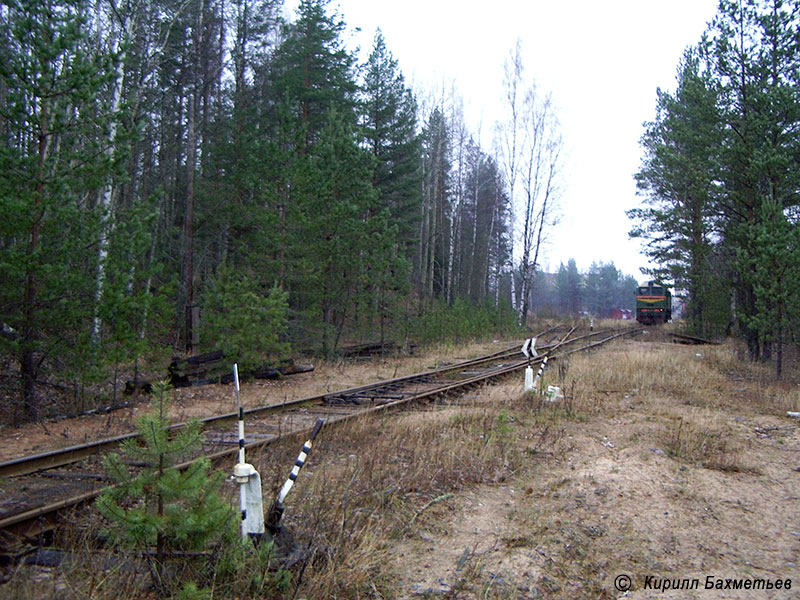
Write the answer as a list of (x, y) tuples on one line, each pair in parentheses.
[(64, 456), (28, 524)]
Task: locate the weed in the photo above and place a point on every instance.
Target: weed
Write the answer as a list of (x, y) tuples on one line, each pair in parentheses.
[(703, 442), (379, 485)]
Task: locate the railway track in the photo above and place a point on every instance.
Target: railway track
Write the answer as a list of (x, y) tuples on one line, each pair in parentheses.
[(75, 475), (682, 338)]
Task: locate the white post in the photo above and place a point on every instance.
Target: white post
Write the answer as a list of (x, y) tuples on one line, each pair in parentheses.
[(248, 479), (528, 379), (275, 511), (529, 350), (241, 412)]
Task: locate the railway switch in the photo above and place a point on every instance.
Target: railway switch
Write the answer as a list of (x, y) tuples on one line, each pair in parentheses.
[(276, 510), (249, 481), (529, 350)]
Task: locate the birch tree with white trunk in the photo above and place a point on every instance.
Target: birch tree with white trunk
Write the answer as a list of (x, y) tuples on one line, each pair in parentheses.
[(125, 21), (539, 170), (508, 135)]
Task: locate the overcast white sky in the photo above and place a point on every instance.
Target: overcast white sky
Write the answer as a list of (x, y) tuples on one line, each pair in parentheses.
[(602, 62)]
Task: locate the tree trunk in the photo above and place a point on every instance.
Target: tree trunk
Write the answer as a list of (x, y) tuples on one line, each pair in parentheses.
[(779, 336), (106, 199), (28, 365), (188, 227)]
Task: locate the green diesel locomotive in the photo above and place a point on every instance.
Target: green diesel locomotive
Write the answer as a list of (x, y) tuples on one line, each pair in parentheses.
[(653, 303)]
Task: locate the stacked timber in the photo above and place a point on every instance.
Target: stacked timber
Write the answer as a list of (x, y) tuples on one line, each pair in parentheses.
[(682, 338), (373, 349), (214, 367)]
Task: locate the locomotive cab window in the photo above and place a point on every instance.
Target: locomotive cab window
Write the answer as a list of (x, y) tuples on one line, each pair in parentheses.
[(651, 291)]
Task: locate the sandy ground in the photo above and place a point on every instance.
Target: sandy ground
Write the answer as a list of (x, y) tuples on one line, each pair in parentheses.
[(608, 510), (207, 400), (603, 500), (606, 501)]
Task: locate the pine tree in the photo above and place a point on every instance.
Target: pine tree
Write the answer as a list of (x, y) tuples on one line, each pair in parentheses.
[(568, 286), (52, 164), (337, 240), (774, 272), (312, 73), (388, 125), (389, 128), (336, 215), (243, 235), (167, 507), (756, 55), (246, 322), (679, 178)]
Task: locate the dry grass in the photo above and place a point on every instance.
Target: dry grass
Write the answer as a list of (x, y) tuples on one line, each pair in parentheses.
[(501, 494), (703, 440), (398, 483), (644, 370), (391, 480), (701, 408)]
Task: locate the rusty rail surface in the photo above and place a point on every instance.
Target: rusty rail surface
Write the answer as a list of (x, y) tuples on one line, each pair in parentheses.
[(23, 523)]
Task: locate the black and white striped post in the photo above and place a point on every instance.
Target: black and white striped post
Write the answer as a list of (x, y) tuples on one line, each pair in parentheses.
[(276, 510), (249, 481), (536, 379)]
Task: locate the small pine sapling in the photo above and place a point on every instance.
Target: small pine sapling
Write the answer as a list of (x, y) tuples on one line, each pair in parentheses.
[(170, 505)]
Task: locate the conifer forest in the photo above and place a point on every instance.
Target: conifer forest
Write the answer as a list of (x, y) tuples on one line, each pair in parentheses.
[(190, 175), (720, 178)]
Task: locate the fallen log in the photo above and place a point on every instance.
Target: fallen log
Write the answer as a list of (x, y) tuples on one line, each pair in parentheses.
[(682, 338), (214, 367), (368, 349), (374, 349), (183, 372), (137, 386), (268, 372)]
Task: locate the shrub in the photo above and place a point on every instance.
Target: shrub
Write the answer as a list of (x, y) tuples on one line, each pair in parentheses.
[(163, 508), (243, 321), (462, 320)]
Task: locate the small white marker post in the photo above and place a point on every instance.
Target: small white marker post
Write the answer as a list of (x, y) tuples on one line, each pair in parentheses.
[(529, 350), (528, 379), (249, 481)]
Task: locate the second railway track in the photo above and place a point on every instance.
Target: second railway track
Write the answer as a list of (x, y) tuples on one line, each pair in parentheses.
[(75, 476)]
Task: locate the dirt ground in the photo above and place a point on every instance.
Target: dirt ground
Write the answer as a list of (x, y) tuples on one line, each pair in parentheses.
[(207, 400), (612, 497), (664, 466)]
